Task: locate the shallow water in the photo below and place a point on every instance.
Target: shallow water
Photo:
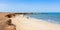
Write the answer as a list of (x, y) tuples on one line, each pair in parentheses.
[(50, 17)]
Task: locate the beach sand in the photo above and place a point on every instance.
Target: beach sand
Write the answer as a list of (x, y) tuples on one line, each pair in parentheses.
[(24, 23)]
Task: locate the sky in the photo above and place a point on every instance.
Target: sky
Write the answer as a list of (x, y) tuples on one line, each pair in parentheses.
[(29, 5)]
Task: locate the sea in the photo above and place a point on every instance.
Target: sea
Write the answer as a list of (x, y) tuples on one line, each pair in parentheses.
[(49, 17)]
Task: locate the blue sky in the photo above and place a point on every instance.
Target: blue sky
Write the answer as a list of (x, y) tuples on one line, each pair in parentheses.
[(29, 5)]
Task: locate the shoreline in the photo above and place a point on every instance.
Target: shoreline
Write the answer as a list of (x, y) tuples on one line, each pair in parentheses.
[(22, 23), (43, 20)]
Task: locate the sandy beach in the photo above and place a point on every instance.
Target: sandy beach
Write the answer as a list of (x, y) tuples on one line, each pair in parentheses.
[(24, 23)]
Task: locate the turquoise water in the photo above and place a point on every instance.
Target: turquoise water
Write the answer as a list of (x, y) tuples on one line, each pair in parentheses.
[(50, 17)]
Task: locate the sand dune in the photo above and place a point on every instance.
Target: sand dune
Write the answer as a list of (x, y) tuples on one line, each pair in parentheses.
[(4, 22), (24, 23)]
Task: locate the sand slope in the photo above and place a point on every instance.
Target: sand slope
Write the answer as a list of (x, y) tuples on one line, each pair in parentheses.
[(24, 23), (4, 22)]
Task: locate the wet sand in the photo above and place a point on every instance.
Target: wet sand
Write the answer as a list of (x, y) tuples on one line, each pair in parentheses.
[(25, 23)]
